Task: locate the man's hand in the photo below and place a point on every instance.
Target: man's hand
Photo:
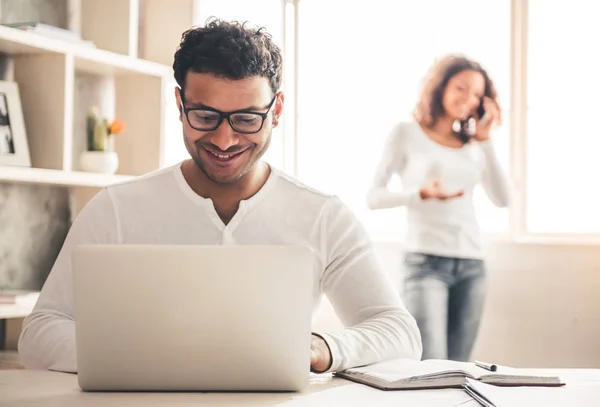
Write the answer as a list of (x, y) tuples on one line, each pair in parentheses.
[(436, 191), (320, 355)]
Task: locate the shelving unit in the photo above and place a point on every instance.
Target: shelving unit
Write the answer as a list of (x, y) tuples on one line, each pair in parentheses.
[(87, 59), (128, 74)]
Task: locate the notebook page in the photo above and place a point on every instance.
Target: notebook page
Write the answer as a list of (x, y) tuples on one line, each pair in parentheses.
[(403, 369), (467, 367)]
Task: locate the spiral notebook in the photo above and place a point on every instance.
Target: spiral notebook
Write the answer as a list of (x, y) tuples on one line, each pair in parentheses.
[(407, 374)]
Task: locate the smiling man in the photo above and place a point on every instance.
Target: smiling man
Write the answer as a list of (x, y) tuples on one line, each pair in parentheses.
[(229, 99)]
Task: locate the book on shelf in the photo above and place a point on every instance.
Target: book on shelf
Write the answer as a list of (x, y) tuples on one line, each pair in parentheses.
[(407, 374)]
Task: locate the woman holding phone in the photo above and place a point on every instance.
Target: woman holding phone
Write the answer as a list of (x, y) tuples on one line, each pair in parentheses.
[(440, 157)]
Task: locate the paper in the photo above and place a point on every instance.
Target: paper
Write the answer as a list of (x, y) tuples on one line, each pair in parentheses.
[(569, 376), (569, 395), (355, 395)]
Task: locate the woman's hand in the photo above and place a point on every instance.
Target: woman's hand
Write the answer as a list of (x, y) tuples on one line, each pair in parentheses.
[(484, 124), (436, 191)]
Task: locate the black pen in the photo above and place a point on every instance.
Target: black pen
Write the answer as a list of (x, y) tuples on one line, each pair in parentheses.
[(487, 366)]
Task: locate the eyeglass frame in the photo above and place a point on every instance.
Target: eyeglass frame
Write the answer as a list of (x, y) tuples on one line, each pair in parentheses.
[(226, 115)]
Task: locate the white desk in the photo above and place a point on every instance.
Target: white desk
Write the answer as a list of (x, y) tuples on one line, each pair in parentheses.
[(20, 388)]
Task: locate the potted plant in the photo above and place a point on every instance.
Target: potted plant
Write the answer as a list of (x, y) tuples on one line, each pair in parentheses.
[(100, 155)]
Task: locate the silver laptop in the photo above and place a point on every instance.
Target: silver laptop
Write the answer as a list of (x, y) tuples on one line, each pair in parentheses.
[(193, 318)]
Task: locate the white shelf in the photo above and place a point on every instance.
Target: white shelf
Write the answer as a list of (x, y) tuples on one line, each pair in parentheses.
[(93, 60), (87, 59), (58, 177), (131, 61), (8, 311), (15, 41)]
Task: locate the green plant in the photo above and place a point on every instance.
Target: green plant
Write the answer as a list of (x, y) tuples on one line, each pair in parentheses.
[(99, 131)]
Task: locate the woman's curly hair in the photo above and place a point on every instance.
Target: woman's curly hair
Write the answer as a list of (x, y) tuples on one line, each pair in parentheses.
[(430, 108)]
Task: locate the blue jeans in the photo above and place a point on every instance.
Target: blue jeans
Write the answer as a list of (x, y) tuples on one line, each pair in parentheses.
[(446, 296)]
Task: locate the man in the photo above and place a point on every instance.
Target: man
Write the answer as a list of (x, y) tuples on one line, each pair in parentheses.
[(229, 100)]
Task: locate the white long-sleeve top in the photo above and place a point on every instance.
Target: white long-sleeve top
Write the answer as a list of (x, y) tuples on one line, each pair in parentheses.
[(161, 208), (444, 228)]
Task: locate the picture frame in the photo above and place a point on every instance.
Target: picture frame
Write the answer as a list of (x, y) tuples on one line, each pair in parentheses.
[(14, 146)]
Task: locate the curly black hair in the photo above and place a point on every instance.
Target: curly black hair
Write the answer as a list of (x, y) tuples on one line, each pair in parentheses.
[(230, 50)]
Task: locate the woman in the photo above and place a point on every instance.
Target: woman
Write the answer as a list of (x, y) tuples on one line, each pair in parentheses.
[(441, 156)]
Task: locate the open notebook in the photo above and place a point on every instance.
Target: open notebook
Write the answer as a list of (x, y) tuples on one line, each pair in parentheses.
[(406, 374)]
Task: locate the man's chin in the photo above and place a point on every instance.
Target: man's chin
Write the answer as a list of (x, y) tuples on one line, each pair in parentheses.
[(226, 177), (223, 179)]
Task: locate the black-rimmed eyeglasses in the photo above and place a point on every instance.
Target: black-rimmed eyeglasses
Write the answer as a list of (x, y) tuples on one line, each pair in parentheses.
[(241, 121)]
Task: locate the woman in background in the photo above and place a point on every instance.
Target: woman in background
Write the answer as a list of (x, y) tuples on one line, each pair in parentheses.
[(440, 157)]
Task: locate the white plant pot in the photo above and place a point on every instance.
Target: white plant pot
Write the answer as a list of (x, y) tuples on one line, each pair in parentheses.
[(104, 162)]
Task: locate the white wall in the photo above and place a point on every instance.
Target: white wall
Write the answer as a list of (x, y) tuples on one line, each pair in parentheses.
[(543, 305)]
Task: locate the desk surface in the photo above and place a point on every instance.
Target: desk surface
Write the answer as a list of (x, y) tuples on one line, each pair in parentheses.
[(20, 388)]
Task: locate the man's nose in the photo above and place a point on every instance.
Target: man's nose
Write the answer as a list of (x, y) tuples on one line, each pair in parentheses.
[(224, 136)]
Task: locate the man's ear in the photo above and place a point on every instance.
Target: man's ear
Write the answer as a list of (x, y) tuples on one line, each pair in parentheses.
[(278, 108), (179, 102)]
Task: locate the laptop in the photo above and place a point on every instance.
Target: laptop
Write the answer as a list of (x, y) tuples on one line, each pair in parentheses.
[(193, 318)]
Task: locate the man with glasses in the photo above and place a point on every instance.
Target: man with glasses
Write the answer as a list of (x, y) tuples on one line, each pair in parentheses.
[(229, 98)]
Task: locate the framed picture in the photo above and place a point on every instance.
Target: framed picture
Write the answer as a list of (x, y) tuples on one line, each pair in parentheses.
[(14, 148)]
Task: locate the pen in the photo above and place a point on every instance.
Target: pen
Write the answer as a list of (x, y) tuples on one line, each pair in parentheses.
[(487, 366)]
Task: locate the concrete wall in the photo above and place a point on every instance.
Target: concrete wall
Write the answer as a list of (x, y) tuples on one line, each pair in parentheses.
[(34, 221)]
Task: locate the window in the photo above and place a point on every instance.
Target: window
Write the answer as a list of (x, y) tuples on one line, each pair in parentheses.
[(360, 74), (562, 137), (173, 150), (359, 71)]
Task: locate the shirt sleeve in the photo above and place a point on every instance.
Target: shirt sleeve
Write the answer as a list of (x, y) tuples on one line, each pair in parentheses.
[(377, 325), (47, 339), (494, 181), (392, 161)]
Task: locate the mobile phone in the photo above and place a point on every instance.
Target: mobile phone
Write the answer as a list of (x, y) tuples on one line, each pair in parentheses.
[(480, 110), (466, 128), (483, 116)]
